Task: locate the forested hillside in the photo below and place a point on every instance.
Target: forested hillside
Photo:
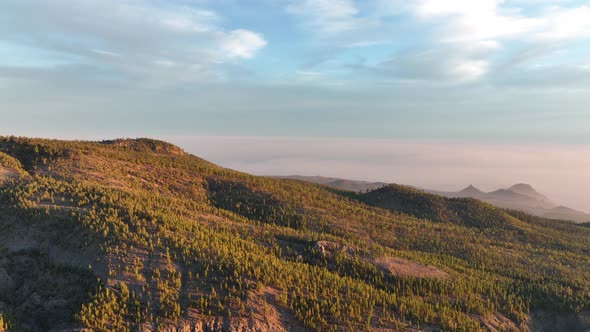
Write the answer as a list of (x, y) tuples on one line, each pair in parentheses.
[(137, 235)]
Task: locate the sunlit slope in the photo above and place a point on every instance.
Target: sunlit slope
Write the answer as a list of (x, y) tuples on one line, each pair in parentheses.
[(140, 235)]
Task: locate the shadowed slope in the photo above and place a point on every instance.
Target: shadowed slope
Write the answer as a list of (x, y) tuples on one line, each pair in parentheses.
[(463, 211)]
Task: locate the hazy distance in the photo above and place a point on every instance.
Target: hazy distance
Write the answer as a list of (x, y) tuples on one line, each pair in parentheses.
[(558, 172)]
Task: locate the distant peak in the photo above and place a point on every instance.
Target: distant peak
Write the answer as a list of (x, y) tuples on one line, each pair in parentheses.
[(522, 187), (471, 189), (528, 190)]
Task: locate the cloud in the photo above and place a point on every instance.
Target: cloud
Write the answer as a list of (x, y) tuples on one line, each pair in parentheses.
[(566, 23), (455, 7), (103, 52), (243, 43), (186, 20), (369, 43), (128, 37), (326, 16), (465, 20), (457, 63), (453, 41)]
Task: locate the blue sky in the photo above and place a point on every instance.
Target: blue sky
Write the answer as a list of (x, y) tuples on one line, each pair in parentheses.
[(513, 72)]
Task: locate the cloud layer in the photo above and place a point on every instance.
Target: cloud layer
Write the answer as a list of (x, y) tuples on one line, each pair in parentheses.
[(555, 170)]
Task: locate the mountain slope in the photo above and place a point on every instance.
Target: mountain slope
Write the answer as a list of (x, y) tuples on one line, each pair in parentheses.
[(139, 235)]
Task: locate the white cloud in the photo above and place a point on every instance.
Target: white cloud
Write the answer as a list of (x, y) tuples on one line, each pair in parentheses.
[(457, 63), (368, 43), (466, 20), (243, 43), (429, 8), (308, 73), (476, 20), (465, 38), (468, 70), (563, 24), (188, 20), (104, 52), (128, 37), (326, 16)]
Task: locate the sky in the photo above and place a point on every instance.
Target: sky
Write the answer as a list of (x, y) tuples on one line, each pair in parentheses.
[(503, 77)]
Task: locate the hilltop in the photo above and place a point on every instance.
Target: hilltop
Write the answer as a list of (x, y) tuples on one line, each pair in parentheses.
[(138, 235)]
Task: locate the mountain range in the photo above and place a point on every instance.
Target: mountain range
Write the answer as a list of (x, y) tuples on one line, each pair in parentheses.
[(139, 235), (522, 197)]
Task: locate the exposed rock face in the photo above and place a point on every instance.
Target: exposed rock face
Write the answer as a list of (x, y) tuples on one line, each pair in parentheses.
[(7, 174), (330, 248), (498, 323), (222, 324), (403, 267), (391, 265)]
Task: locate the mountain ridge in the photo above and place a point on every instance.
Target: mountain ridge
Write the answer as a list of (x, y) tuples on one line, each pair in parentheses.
[(138, 237), (525, 198), (521, 196)]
